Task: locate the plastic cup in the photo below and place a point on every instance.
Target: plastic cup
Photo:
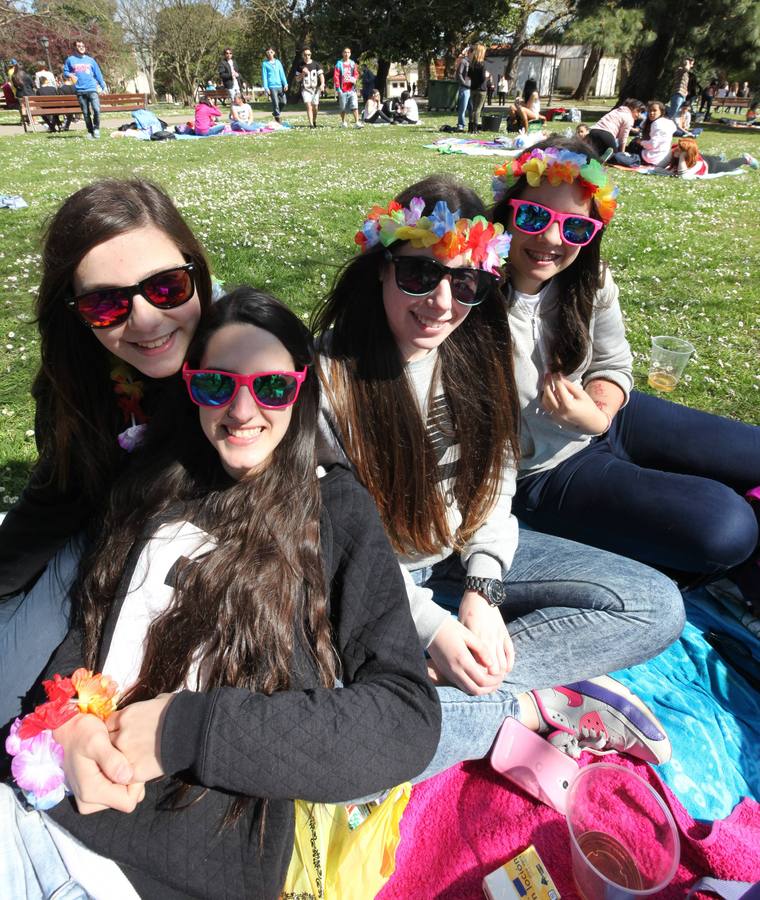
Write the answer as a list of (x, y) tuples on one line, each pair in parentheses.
[(623, 840), (667, 362)]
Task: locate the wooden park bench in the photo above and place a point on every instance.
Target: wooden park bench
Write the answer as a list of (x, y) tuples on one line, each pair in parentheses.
[(730, 102), (220, 95), (67, 104)]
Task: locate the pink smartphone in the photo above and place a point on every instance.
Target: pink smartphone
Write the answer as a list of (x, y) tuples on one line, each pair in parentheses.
[(531, 762)]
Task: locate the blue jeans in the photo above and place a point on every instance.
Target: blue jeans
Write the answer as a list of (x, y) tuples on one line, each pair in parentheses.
[(676, 102), (664, 486), (573, 612), (215, 129), (462, 101), (30, 865), (627, 159), (32, 625), (89, 103), (279, 99)]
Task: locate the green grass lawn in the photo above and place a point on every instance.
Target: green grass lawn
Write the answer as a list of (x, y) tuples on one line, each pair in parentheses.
[(280, 212)]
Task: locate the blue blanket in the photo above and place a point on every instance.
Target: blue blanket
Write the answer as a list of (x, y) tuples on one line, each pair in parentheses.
[(710, 711)]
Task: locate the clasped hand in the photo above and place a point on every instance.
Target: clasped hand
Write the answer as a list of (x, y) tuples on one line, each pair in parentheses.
[(107, 763), (475, 652)]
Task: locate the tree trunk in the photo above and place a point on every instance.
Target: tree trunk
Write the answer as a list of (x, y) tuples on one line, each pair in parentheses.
[(383, 68), (589, 71), (647, 69), (519, 41)]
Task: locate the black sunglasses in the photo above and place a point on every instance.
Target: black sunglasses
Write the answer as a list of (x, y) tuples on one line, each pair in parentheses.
[(107, 307), (421, 275)]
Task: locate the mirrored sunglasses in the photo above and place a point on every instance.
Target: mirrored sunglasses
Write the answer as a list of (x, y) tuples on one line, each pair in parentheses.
[(270, 390), (533, 218), (107, 307)]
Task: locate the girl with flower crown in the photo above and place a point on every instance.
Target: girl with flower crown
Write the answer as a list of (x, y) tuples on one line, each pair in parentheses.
[(124, 285), (233, 583), (420, 399), (601, 463)]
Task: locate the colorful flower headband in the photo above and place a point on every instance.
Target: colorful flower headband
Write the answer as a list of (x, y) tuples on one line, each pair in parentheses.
[(558, 166), (485, 244)]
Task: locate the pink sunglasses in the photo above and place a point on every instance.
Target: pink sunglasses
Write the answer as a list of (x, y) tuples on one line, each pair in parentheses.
[(533, 218), (270, 390)]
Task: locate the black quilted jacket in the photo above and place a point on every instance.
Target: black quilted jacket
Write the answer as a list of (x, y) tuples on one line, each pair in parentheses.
[(380, 729)]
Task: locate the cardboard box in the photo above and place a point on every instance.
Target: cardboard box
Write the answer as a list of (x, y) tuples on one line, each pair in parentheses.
[(524, 877)]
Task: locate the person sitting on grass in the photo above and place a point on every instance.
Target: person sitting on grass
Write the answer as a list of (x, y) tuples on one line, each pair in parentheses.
[(612, 130), (419, 398), (662, 486), (653, 147), (241, 115), (254, 619), (688, 162), (408, 113), (373, 113), (206, 111)]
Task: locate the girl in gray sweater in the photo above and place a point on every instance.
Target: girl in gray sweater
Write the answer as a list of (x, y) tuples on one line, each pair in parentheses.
[(600, 462), (420, 399)]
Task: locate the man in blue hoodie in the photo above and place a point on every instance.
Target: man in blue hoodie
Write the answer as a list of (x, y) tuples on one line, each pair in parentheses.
[(274, 81), (89, 77)]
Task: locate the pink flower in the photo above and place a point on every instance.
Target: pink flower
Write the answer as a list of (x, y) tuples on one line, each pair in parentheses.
[(37, 769)]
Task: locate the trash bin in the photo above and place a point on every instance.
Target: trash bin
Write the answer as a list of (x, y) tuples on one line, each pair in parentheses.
[(442, 94), (491, 123)]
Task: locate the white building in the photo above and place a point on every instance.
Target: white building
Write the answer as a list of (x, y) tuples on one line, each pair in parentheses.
[(565, 63)]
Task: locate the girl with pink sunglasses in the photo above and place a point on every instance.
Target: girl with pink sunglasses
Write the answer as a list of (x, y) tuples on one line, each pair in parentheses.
[(249, 608), (600, 462)]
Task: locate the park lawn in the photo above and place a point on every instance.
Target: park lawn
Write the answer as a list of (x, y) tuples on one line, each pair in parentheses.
[(280, 212)]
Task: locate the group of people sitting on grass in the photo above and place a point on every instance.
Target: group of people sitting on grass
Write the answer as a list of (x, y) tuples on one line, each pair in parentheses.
[(660, 141), (289, 563)]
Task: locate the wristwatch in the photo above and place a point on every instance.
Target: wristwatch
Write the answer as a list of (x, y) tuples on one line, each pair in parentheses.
[(490, 588)]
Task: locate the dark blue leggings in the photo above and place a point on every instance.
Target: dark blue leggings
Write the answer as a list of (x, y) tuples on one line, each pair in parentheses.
[(664, 486)]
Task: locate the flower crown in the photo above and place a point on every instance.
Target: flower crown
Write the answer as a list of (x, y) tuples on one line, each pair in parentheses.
[(485, 244), (558, 166)]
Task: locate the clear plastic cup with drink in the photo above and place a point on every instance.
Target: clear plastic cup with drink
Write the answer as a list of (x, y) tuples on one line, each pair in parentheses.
[(667, 362)]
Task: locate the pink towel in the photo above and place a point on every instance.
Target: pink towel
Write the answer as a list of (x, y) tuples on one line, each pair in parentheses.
[(468, 821)]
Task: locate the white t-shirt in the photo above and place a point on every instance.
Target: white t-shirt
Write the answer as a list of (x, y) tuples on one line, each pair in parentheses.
[(411, 110), (243, 112)]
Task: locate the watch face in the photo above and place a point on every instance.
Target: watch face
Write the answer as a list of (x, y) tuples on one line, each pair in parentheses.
[(496, 592)]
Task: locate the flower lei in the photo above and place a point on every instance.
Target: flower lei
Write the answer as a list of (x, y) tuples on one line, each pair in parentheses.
[(484, 244), (129, 392), (37, 765), (559, 166)]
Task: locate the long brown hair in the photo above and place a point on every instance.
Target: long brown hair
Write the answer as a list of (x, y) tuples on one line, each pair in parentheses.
[(690, 150), (72, 388), (242, 609), (578, 283), (377, 412)]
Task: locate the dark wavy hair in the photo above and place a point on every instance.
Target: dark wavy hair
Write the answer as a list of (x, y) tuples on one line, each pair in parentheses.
[(72, 388), (243, 611), (578, 283), (377, 412)]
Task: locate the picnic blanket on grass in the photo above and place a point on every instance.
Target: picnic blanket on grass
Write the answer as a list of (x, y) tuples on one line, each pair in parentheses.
[(467, 821), (495, 147), (657, 170)]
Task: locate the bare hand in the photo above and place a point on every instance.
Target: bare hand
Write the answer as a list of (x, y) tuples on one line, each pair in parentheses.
[(136, 732), (486, 622), (457, 655), (98, 775), (569, 403)]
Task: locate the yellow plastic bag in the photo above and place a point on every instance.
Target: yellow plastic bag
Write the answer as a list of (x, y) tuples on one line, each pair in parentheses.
[(331, 861)]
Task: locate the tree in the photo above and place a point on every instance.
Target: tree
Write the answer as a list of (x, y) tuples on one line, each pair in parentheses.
[(515, 23), (139, 18), (190, 37)]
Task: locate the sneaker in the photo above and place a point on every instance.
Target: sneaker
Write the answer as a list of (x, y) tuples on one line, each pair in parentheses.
[(602, 716), (750, 161), (96, 133), (607, 155), (344, 124), (358, 124), (90, 137)]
